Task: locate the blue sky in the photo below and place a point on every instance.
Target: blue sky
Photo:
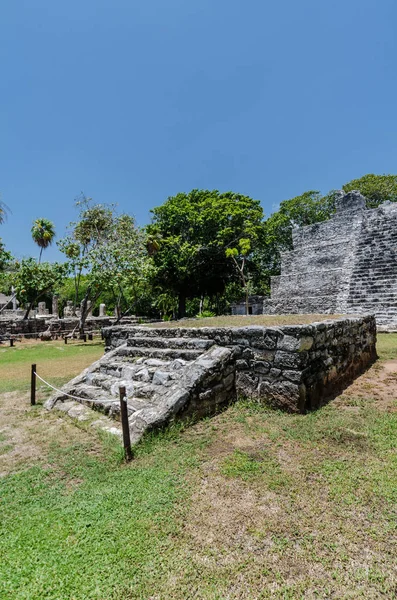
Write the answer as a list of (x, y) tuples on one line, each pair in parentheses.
[(133, 101)]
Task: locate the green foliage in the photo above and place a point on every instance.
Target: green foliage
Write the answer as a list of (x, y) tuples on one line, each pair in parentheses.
[(190, 235), (205, 314), (43, 233), (107, 252), (5, 257), (66, 291), (4, 210), (32, 279), (376, 188)]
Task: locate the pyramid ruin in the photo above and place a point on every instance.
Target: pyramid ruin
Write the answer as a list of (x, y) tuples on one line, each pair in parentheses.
[(346, 265)]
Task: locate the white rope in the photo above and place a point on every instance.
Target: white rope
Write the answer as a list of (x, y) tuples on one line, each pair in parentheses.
[(57, 390)]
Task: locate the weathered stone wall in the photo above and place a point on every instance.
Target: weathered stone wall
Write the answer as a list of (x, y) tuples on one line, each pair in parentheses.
[(30, 327), (255, 306), (296, 368), (344, 265)]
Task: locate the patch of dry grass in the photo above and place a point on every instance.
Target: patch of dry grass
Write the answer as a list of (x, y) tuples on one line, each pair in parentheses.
[(244, 321)]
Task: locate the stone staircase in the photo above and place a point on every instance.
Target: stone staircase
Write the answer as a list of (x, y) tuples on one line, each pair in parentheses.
[(373, 287), (164, 378)]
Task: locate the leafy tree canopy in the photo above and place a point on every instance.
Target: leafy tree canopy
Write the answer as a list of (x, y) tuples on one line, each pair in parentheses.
[(109, 249), (32, 279), (5, 257), (43, 233), (190, 234), (376, 188)]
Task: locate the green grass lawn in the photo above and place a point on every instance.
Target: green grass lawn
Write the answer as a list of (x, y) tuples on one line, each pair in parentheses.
[(56, 362), (253, 503)]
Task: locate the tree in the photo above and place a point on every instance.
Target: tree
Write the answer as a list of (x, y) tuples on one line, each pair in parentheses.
[(4, 210), (43, 233), (239, 255), (5, 257), (376, 188), (189, 236), (109, 249), (32, 280)]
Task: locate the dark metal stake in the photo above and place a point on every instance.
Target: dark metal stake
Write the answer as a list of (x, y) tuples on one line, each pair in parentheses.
[(66, 339), (33, 386), (11, 342), (125, 425)]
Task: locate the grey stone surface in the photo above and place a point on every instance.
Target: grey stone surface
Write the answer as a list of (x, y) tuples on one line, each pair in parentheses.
[(55, 307), (323, 356), (157, 390), (202, 369), (346, 265), (255, 306), (41, 309)]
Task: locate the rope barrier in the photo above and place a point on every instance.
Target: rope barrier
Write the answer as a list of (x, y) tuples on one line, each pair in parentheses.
[(123, 408), (56, 389)]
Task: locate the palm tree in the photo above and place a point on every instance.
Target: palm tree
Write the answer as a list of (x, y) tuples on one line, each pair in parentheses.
[(3, 212), (43, 233)]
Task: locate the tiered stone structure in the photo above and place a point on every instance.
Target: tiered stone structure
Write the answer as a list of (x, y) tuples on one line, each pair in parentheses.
[(347, 264), (191, 372)]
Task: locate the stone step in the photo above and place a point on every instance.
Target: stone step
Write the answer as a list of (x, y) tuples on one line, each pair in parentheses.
[(94, 397), (171, 343), (162, 353), (97, 398)]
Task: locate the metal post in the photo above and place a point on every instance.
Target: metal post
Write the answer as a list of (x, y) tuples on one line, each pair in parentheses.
[(66, 339), (124, 424), (33, 386), (11, 342)]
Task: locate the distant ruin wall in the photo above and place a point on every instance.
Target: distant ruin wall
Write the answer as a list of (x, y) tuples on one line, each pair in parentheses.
[(29, 327), (296, 368), (347, 264)]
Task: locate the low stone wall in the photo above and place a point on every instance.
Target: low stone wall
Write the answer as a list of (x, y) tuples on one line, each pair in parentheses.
[(296, 368), (30, 327)]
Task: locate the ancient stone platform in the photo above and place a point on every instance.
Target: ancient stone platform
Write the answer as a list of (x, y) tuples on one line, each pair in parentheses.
[(174, 373), (346, 265), (163, 379)]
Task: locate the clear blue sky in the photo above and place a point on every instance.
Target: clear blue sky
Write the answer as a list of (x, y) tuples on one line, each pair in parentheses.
[(133, 101)]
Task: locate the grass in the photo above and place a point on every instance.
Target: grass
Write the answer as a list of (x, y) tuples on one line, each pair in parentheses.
[(56, 362), (244, 321), (250, 504)]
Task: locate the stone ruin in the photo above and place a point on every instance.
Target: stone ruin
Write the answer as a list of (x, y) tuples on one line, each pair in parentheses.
[(174, 373), (255, 306), (346, 265)]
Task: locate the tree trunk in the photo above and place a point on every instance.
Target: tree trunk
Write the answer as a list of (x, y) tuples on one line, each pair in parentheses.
[(201, 304), (84, 311), (29, 308), (246, 301), (181, 305)]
